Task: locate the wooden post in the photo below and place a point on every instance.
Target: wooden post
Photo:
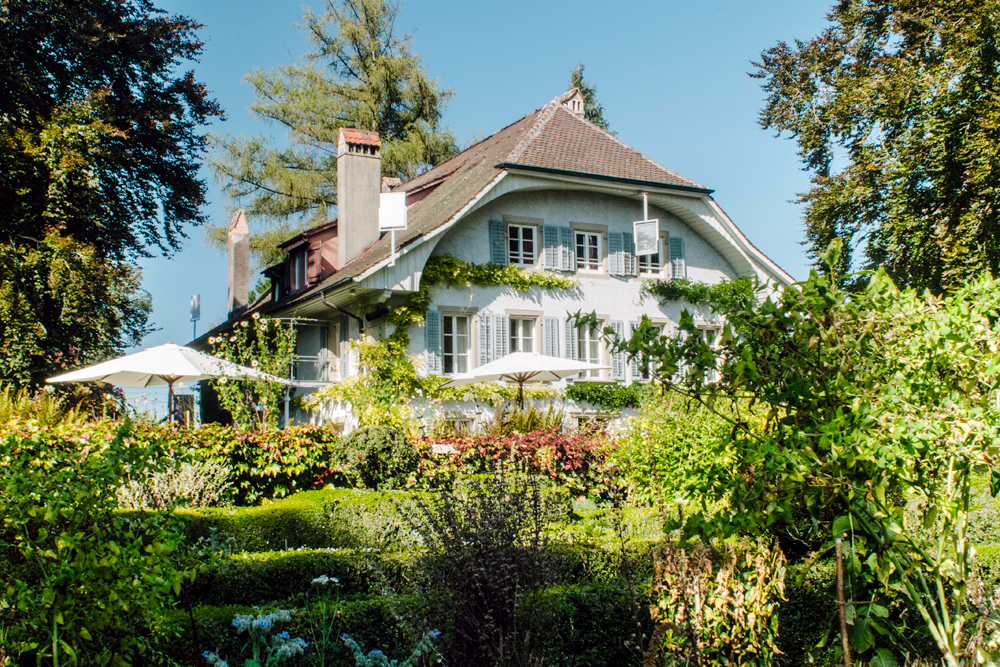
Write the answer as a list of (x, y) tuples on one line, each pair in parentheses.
[(841, 606)]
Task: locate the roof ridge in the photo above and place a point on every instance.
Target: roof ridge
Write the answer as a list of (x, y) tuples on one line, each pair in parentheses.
[(635, 150), (545, 114)]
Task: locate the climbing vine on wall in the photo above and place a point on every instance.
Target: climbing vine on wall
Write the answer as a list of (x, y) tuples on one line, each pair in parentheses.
[(729, 294), (450, 271)]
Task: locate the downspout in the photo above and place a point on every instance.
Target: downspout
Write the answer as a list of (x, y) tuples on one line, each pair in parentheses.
[(341, 309)]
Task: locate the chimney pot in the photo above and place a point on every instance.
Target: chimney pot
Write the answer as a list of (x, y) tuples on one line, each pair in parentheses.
[(359, 183)]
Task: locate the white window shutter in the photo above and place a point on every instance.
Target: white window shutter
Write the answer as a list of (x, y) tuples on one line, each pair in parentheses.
[(551, 325), (616, 258), (501, 335), (551, 253), (485, 347), (345, 348), (676, 246), (570, 351), (567, 247), (618, 358), (630, 266), (633, 365)]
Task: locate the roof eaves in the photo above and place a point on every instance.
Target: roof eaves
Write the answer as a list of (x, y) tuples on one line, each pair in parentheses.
[(602, 177)]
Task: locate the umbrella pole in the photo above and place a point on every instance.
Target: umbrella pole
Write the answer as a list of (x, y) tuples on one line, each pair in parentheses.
[(170, 401), (520, 394)]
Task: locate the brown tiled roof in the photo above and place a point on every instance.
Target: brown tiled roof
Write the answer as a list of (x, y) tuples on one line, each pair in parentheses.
[(551, 138)]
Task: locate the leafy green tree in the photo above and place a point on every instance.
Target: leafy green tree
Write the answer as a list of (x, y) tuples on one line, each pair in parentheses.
[(880, 411), (100, 149), (592, 109), (359, 73), (894, 111)]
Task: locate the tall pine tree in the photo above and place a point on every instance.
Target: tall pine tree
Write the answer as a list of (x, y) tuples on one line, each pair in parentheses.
[(358, 73), (592, 109)]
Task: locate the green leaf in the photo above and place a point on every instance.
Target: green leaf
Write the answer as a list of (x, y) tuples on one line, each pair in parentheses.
[(842, 526), (884, 658)]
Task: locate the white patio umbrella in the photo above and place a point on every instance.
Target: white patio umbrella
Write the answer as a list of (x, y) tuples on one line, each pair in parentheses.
[(521, 367), (161, 365)]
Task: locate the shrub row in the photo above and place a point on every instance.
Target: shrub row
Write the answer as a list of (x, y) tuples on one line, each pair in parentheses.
[(577, 461)]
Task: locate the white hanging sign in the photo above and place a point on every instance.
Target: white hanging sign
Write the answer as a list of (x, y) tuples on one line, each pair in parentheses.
[(392, 211), (647, 236)]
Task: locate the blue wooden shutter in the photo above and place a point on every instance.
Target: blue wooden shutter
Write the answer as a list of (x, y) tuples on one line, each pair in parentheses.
[(501, 334), (432, 340), (485, 346), (498, 242), (616, 257), (567, 249), (677, 257), (630, 266), (551, 325), (618, 358), (570, 351), (550, 248)]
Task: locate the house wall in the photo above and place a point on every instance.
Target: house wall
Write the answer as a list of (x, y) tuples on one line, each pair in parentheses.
[(613, 298)]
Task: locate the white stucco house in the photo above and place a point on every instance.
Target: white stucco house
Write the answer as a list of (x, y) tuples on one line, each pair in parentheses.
[(550, 192)]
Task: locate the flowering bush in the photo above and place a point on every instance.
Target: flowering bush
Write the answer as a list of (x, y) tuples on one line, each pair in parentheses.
[(578, 461), (267, 649), (262, 465)]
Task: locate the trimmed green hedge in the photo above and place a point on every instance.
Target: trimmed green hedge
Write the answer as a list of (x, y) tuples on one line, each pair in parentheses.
[(331, 518), (283, 577)]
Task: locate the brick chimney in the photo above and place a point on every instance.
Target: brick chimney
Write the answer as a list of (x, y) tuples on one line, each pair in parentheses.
[(239, 263), (359, 182)]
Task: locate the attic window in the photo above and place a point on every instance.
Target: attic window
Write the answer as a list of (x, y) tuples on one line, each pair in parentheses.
[(298, 270), (577, 106)]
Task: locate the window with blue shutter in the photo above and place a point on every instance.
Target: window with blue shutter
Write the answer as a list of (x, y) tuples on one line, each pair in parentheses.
[(551, 257), (498, 242), (432, 340), (616, 258), (551, 325), (676, 249)]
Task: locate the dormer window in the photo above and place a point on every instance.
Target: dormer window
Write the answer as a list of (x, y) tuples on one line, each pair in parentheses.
[(298, 270)]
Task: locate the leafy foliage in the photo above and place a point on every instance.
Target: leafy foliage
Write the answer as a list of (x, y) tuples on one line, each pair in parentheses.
[(610, 396), (724, 296), (893, 110), (592, 109), (486, 551), (359, 73), (99, 142), (69, 563), (578, 462), (872, 401), (375, 457), (43, 407), (269, 348), (718, 614)]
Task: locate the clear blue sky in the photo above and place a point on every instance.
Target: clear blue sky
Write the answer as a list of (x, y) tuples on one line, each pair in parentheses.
[(672, 77)]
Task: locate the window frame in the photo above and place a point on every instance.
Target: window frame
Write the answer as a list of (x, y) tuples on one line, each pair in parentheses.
[(662, 263), (519, 329), (455, 356), (582, 342), (535, 242), (584, 265)]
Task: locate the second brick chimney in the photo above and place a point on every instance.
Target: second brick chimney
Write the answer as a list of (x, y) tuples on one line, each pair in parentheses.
[(359, 182)]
